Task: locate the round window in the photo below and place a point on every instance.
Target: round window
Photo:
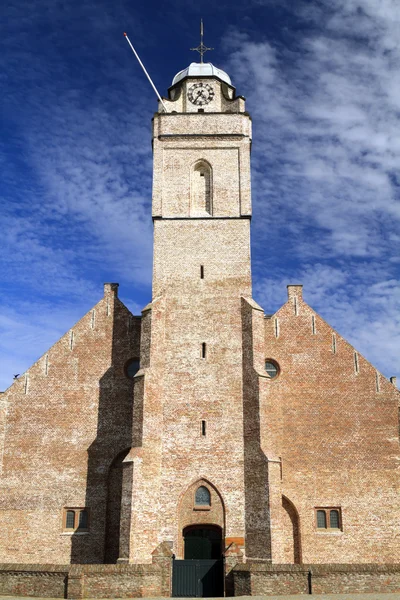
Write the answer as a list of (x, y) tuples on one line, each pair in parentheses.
[(132, 367), (272, 368)]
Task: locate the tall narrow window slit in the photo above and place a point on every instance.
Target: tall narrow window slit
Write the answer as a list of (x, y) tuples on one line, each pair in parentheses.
[(201, 189)]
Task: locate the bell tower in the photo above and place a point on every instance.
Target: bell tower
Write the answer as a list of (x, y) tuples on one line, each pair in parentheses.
[(192, 332), (201, 179)]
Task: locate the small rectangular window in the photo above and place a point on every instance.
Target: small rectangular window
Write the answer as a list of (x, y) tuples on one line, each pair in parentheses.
[(201, 271), (334, 519), (203, 350), (83, 519), (75, 519), (203, 428), (328, 518), (70, 519), (321, 519)]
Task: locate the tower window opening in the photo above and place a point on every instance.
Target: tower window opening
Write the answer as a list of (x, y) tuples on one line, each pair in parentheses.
[(201, 271), (203, 428), (203, 350), (201, 189)]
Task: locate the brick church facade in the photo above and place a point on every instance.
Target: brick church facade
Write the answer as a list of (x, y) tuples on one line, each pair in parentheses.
[(268, 436)]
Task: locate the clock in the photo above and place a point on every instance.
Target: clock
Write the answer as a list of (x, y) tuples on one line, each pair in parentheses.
[(200, 93)]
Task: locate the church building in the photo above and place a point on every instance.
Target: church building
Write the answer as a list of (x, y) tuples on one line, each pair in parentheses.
[(204, 427)]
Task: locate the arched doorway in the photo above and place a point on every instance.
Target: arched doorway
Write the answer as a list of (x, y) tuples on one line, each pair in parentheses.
[(200, 504), (202, 542), (198, 570)]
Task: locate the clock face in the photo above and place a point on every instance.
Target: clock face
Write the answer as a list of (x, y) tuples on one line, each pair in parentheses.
[(200, 93)]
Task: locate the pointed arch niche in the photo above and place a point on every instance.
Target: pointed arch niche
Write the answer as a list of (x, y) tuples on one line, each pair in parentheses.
[(201, 188), (196, 507), (291, 533), (115, 489)]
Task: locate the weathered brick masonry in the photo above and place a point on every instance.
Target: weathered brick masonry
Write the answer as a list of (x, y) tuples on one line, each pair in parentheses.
[(68, 418), (133, 437), (336, 428), (260, 579)]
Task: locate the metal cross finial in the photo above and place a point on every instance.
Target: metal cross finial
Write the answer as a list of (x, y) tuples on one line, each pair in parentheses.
[(201, 49)]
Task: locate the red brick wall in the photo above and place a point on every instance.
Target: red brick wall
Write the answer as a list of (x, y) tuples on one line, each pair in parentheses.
[(352, 579), (68, 417), (117, 581), (257, 579), (269, 580), (41, 581), (87, 581), (181, 388), (337, 437)]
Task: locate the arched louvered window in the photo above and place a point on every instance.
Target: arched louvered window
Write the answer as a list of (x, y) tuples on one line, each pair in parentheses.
[(201, 188), (203, 496)]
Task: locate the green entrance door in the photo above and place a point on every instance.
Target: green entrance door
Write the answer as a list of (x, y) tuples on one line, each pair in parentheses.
[(203, 542), (201, 573)]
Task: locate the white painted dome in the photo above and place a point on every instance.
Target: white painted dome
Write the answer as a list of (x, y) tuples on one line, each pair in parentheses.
[(201, 70)]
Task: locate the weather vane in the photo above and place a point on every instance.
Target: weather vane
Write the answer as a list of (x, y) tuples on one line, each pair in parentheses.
[(201, 49)]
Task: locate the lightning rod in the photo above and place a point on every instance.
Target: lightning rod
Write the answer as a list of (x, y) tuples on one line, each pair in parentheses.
[(146, 73)]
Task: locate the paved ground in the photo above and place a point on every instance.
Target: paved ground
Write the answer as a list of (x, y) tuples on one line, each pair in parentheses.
[(395, 596)]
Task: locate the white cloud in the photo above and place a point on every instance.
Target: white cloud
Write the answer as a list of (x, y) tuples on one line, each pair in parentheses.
[(82, 214), (325, 168), (325, 122)]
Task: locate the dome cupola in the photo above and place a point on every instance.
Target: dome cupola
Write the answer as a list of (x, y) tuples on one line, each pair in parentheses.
[(202, 70)]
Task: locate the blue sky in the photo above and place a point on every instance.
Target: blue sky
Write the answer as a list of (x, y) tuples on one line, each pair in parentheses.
[(322, 83)]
